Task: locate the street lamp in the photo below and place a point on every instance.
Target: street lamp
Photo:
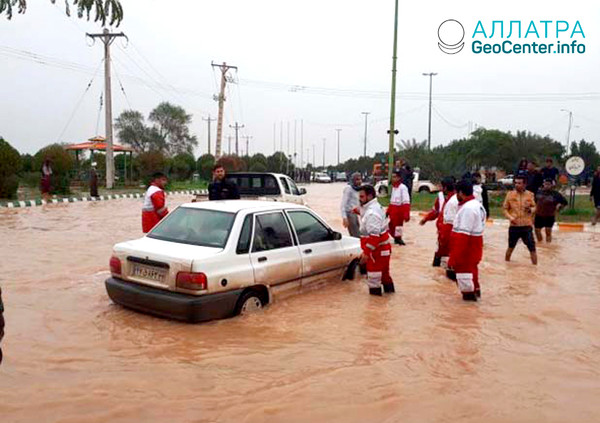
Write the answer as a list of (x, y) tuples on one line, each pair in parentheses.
[(430, 75), (568, 130)]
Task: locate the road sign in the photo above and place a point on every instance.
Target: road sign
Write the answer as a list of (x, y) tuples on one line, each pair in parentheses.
[(575, 166)]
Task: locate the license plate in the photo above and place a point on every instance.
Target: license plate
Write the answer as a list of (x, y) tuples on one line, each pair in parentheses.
[(150, 273)]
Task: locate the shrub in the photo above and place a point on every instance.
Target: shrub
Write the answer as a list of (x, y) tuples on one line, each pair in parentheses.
[(62, 164), (182, 166), (150, 162), (10, 164), (205, 165)]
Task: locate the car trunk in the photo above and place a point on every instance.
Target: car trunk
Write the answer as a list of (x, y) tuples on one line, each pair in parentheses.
[(156, 262)]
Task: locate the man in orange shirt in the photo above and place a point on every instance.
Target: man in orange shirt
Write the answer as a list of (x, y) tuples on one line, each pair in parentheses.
[(519, 209), (155, 202)]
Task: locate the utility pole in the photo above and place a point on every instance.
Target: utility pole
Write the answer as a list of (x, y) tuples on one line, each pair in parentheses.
[(295, 138), (393, 131), (314, 160), (209, 120), (288, 138), (248, 138), (107, 38), (302, 144), (229, 139), (281, 136), (366, 116), (237, 127), (324, 141), (338, 143), (221, 99), (274, 137), (568, 130), (430, 75)]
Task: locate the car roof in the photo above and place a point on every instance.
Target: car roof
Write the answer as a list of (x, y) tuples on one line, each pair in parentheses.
[(255, 173), (234, 206)]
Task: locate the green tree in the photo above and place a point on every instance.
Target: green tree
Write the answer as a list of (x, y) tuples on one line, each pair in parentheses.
[(27, 163), (258, 163), (149, 162), (103, 10), (171, 129), (132, 131), (10, 165), (182, 166), (62, 165), (588, 152), (204, 165)]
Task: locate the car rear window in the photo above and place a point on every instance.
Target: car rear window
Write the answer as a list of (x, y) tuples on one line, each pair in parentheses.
[(255, 184), (208, 228)]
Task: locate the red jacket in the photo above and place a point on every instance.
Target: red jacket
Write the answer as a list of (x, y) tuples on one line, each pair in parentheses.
[(154, 208), (466, 245)]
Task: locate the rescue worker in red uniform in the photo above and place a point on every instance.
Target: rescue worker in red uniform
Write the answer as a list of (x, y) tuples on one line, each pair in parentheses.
[(466, 247), (375, 242), (436, 213), (155, 202), (399, 208)]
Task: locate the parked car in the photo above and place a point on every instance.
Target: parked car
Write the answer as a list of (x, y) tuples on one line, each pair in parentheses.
[(322, 177), (422, 186), (341, 176), (508, 180), (215, 259), (266, 186)]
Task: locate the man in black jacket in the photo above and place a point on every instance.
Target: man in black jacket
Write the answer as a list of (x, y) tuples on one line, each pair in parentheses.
[(220, 188)]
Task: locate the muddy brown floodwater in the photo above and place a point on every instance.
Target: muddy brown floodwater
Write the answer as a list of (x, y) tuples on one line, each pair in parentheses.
[(528, 352)]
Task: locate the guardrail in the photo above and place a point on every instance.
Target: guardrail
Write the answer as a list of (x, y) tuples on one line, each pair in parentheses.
[(40, 202)]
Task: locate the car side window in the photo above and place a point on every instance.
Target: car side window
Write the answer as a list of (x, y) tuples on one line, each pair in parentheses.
[(293, 187), (243, 246), (308, 228), (271, 232), (286, 187)]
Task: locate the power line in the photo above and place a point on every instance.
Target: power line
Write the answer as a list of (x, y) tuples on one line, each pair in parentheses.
[(87, 88)]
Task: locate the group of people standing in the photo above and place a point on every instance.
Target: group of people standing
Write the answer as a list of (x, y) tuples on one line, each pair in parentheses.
[(460, 222), (460, 212)]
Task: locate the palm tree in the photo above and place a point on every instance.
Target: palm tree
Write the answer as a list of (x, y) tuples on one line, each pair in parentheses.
[(104, 10)]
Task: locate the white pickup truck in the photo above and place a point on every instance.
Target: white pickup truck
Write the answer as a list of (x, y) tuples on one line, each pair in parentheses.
[(419, 185), (265, 186), (215, 259)]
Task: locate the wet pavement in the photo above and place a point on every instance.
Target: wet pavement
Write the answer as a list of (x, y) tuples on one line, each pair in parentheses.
[(528, 352)]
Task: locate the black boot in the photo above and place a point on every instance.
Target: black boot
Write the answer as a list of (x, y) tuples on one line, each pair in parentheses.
[(399, 241), (437, 261), (363, 269), (389, 288), (469, 296), (375, 291), (451, 274)]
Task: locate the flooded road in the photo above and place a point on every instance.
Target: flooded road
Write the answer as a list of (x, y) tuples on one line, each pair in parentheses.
[(528, 352)]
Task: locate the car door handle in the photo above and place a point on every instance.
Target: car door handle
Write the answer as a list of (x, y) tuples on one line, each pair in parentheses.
[(307, 251), (261, 259)]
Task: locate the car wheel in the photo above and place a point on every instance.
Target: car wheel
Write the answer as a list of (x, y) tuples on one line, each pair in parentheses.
[(383, 191), (424, 190), (350, 271), (250, 302)]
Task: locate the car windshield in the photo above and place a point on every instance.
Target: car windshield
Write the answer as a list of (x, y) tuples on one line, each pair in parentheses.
[(208, 228)]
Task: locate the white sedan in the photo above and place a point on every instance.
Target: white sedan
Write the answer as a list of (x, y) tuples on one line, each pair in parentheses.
[(216, 259)]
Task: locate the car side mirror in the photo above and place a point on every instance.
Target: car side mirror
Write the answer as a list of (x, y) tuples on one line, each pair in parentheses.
[(337, 236), (302, 191)]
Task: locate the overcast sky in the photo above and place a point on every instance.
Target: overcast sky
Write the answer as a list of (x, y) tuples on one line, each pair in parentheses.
[(339, 50)]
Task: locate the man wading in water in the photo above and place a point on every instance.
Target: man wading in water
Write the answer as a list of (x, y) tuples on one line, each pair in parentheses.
[(548, 203), (349, 203), (519, 208), (375, 242), (155, 202)]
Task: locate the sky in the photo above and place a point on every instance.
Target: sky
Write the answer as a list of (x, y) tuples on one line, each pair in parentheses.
[(315, 66)]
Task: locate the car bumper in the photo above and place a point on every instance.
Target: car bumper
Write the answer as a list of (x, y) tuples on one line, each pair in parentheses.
[(172, 305)]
